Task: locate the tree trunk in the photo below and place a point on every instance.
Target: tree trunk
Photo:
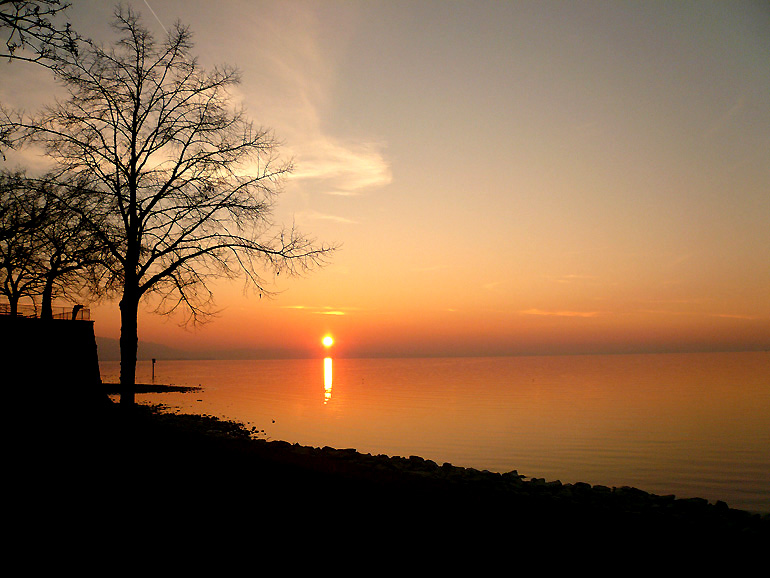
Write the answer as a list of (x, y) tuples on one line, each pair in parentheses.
[(129, 341), (13, 302), (46, 307)]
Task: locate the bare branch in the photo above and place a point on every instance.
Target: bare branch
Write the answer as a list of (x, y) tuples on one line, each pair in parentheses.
[(33, 31)]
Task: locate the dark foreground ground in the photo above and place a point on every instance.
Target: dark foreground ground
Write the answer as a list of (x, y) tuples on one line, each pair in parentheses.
[(162, 479)]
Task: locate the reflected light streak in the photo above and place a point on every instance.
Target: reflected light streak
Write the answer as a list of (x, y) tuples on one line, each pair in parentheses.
[(327, 379)]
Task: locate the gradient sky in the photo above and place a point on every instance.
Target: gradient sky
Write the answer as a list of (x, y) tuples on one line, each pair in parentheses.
[(503, 177)]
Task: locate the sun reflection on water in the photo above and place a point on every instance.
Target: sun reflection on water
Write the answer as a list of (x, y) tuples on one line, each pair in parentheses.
[(327, 379)]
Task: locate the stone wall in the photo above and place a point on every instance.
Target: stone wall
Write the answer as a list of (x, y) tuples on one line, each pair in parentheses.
[(50, 363)]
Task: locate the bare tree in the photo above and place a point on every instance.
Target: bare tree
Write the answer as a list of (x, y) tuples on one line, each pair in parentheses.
[(71, 259), (19, 221), (180, 185), (47, 248)]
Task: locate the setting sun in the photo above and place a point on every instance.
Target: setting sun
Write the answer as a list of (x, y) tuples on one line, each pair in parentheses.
[(327, 341)]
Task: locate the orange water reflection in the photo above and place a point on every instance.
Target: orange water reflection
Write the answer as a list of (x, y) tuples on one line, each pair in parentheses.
[(684, 424), (327, 379)]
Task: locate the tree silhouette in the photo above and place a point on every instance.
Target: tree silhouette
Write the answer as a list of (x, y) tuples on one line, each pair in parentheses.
[(179, 185), (19, 221), (72, 260), (33, 31), (47, 248)]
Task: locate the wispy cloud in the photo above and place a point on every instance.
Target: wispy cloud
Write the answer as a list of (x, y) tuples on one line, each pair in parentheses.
[(294, 86), (699, 314), (560, 313), (573, 278), (344, 169), (327, 310), (734, 316), (305, 216)]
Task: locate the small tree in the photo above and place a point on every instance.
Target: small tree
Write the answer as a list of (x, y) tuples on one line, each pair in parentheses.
[(72, 261), (47, 248), (19, 221), (180, 186)]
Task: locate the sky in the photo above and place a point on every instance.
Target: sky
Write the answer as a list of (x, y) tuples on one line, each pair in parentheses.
[(502, 178)]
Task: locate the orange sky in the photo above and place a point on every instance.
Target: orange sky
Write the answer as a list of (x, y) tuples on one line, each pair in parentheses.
[(503, 177)]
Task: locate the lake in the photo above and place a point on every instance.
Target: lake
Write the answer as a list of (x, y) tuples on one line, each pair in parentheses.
[(693, 425)]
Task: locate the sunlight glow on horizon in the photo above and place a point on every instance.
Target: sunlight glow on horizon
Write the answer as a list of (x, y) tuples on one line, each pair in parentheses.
[(552, 178)]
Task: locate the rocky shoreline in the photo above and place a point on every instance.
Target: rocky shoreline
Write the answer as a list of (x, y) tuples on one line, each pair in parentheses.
[(511, 487), (226, 472)]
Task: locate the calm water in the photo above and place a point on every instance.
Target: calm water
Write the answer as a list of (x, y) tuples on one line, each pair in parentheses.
[(684, 424)]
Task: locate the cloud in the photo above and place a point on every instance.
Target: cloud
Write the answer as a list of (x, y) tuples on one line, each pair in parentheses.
[(337, 168), (327, 310), (699, 314), (560, 313), (305, 216), (289, 79), (292, 85), (734, 316)]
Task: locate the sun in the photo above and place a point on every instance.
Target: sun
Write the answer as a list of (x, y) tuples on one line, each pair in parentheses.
[(328, 341)]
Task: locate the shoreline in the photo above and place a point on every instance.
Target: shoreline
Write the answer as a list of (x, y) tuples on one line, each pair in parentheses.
[(566, 487), (114, 388), (227, 475)]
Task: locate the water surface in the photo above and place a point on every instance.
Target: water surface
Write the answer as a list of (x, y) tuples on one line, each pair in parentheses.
[(684, 424)]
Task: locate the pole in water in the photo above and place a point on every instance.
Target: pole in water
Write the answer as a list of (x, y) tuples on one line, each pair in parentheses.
[(153, 370)]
